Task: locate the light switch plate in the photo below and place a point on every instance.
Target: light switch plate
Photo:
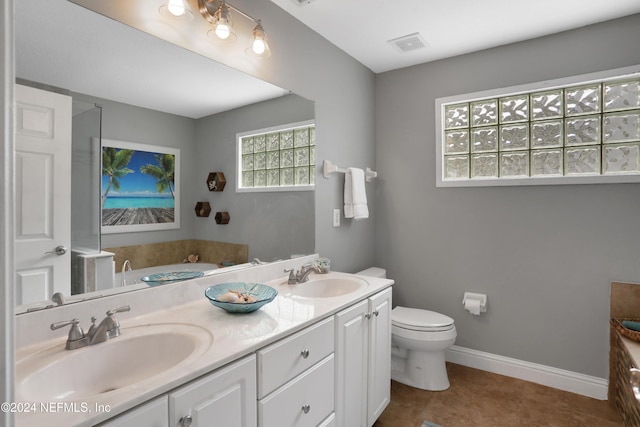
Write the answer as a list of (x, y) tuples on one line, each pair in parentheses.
[(336, 217)]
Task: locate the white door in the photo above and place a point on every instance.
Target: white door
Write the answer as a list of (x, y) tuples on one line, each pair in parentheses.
[(351, 365), (43, 194), (225, 398), (379, 384)]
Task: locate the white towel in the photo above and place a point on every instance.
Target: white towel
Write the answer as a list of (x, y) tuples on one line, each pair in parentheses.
[(355, 196)]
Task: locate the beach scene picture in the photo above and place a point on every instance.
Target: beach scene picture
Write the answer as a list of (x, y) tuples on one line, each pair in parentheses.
[(139, 187)]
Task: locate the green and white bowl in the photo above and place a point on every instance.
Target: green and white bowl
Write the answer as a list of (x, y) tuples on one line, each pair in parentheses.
[(262, 293)]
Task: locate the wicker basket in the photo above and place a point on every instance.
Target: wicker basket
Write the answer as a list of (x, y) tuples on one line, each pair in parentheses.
[(626, 332)]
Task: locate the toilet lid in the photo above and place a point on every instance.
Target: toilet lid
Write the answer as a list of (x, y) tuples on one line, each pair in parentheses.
[(420, 320)]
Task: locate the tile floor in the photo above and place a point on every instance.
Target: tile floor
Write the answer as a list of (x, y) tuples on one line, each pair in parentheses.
[(482, 399)]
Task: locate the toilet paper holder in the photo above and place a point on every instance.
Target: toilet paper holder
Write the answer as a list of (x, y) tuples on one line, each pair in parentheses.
[(480, 298)]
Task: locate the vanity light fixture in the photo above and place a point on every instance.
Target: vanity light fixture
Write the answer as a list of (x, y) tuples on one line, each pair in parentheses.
[(218, 13)]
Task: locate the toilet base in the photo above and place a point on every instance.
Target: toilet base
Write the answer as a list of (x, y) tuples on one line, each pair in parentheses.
[(423, 370)]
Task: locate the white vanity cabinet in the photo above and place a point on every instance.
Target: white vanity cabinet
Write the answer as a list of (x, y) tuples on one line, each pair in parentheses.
[(296, 379), (226, 398), (363, 361), (150, 414)]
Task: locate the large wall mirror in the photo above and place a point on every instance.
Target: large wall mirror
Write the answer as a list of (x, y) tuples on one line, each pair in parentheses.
[(130, 86)]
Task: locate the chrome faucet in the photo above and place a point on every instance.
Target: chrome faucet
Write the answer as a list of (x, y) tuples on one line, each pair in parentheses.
[(302, 275), (125, 264), (107, 329)]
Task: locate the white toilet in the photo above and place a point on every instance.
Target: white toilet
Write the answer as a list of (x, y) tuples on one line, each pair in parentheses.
[(419, 339)]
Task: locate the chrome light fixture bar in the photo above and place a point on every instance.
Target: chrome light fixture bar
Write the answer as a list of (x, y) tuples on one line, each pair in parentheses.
[(218, 13)]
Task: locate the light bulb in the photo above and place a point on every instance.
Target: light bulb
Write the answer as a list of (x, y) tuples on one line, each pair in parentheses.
[(222, 23), (223, 31), (176, 7), (258, 46)]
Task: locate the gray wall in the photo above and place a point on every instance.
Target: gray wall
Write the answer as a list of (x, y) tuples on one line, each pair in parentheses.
[(545, 255), (274, 224), (344, 94)]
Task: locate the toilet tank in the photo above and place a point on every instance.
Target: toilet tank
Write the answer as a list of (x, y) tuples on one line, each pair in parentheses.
[(378, 272)]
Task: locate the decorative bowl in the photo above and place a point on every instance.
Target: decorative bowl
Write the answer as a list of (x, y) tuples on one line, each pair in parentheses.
[(263, 293)]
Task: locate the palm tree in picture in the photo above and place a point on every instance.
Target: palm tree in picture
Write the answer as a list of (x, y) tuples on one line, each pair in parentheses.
[(114, 165), (163, 172)]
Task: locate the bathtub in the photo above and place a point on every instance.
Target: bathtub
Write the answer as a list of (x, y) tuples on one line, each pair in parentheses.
[(135, 276)]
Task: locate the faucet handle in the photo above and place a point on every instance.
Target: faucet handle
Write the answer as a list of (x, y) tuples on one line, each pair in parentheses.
[(113, 328), (92, 328), (293, 275), (119, 310), (58, 298), (75, 333)]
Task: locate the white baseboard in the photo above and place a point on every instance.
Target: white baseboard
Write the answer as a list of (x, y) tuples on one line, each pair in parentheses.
[(574, 382)]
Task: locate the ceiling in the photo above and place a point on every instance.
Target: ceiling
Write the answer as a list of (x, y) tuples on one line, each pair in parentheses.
[(362, 28), (61, 44)]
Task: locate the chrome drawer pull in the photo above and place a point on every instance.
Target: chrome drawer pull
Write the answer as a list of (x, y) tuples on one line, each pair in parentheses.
[(186, 421), (376, 312), (305, 354), (367, 316), (306, 408)]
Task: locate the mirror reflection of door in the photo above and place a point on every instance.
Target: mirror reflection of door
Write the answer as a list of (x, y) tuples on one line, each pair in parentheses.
[(43, 192)]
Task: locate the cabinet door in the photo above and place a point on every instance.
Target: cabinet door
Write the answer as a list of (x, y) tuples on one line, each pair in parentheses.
[(150, 414), (351, 365), (225, 398), (379, 385)]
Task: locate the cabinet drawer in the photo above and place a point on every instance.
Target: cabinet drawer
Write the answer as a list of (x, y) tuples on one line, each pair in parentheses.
[(285, 359), (304, 402)]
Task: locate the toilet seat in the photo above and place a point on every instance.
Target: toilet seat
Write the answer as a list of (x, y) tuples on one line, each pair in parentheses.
[(415, 319)]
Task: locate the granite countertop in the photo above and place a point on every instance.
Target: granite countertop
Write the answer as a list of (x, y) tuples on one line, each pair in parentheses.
[(234, 336)]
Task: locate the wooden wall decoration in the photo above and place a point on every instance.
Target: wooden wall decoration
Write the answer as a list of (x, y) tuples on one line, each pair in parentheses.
[(222, 217), (203, 209), (216, 181)]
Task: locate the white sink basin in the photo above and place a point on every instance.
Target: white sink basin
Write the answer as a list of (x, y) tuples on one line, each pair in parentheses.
[(138, 354), (328, 287)]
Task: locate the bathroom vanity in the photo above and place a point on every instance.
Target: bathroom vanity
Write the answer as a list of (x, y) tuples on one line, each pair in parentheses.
[(318, 355)]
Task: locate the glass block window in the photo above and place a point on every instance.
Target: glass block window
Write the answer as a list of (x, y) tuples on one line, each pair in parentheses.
[(584, 129), (277, 159)]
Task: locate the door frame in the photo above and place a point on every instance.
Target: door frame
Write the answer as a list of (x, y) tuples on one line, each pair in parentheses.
[(7, 196)]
